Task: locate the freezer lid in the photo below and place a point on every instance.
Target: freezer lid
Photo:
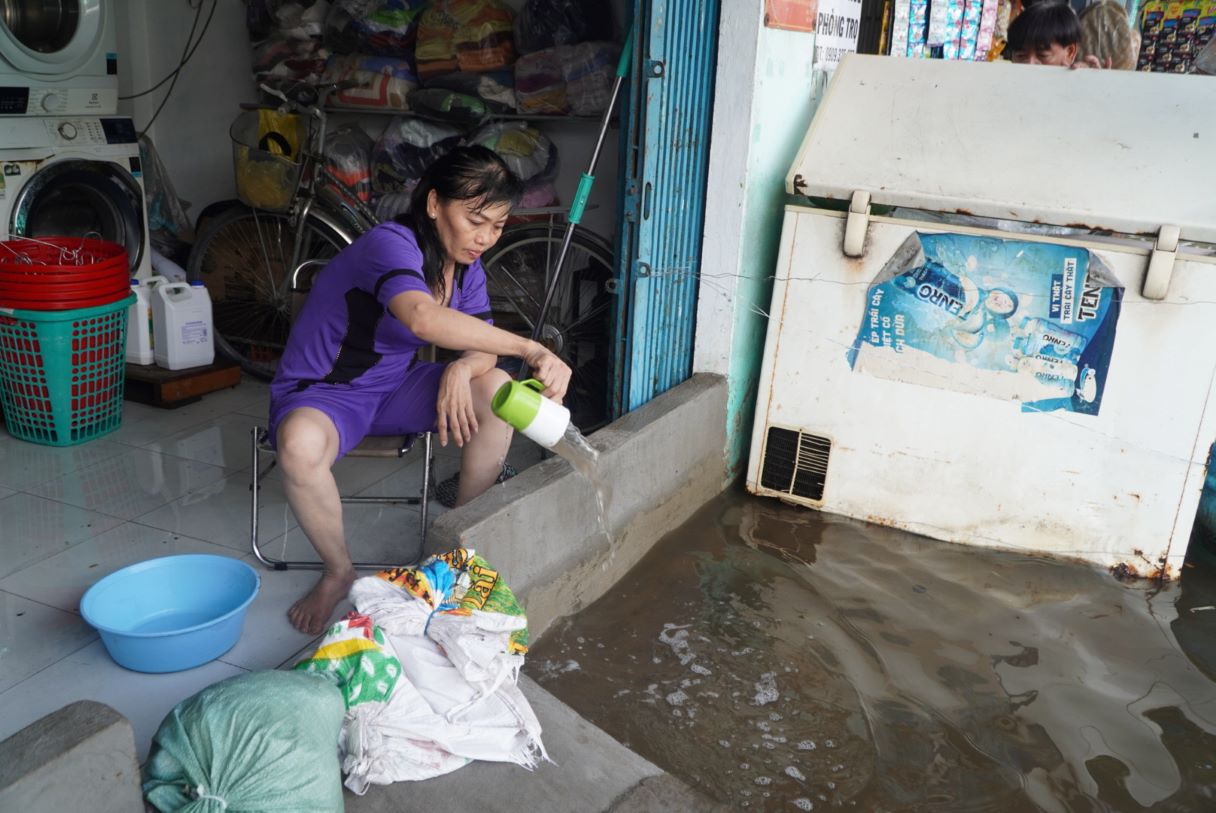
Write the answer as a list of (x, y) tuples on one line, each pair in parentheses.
[(1106, 150)]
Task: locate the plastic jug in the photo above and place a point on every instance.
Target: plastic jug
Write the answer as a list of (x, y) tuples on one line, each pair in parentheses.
[(521, 404), (139, 321), (181, 323)]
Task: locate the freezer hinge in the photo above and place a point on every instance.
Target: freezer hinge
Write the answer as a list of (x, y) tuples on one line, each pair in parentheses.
[(1161, 263), (856, 225)]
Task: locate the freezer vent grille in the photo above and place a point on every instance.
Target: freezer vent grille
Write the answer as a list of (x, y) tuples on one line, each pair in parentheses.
[(795, 463)]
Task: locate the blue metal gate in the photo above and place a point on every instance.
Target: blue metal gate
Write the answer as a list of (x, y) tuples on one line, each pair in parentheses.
[(666, 158)]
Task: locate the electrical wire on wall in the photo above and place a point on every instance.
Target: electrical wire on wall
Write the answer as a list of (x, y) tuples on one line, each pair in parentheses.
[(187, 54)]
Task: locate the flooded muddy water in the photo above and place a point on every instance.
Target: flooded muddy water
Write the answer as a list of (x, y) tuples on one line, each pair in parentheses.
[(777, 658)]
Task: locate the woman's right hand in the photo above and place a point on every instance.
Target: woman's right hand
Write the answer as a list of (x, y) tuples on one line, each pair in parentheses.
[(548, 369)]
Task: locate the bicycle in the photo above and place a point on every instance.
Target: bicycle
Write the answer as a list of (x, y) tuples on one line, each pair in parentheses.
[(245, 256)]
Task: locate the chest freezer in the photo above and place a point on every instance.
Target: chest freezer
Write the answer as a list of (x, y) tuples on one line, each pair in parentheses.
[(994, 323)]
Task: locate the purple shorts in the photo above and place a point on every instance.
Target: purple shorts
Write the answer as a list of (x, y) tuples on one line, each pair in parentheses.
[(358, 413)]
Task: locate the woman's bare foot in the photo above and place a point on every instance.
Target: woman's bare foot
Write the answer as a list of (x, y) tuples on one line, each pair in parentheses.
[(311, 613)]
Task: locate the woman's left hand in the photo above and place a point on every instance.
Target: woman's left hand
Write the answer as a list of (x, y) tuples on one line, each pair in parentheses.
[(455, 405)]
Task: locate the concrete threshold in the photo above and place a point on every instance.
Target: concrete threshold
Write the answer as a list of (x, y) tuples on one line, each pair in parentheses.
[(541, 530)]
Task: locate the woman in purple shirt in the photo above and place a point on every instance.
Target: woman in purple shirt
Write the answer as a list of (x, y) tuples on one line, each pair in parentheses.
[(350, 368)]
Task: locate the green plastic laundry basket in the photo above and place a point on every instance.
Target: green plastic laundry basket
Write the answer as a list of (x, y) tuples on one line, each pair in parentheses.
[(62, 372)]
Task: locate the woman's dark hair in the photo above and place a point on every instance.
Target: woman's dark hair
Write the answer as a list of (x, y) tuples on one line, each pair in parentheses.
[(468, 173), (1043, 24)]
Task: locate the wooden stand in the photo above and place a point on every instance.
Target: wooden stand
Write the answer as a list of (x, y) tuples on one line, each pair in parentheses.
[(149, 384)]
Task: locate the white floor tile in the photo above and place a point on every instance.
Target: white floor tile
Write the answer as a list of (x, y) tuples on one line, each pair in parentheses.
[(142, 424), (24, 464), (62, 580), (224, 441), (36, 528), (89, 674), (268, 639), (32, 637), (219, 512), (130, 484)]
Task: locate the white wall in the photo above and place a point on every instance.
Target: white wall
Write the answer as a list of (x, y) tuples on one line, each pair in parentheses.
[(191, 133)]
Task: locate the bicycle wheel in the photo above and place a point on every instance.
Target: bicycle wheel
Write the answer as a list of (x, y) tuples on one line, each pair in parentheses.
[(242, 256), (578, 326)]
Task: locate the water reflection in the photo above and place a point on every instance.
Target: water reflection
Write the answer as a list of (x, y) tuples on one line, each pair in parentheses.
[(777, 658)]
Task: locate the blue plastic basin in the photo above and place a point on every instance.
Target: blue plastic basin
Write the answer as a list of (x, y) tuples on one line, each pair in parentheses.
[(173, 613)]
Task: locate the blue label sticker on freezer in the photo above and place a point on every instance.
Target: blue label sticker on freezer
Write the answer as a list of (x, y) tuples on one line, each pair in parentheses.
[(1010, 319)]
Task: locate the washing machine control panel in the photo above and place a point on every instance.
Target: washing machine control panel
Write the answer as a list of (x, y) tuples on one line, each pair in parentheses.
[(43, 101), (89, 131)]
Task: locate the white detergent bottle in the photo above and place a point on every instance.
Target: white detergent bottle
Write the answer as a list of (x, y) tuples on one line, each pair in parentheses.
[(139, 321), (181, 321)]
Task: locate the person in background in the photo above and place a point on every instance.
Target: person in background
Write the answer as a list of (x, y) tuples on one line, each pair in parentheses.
[(350, 368), (1107, 35), (1047, 33)]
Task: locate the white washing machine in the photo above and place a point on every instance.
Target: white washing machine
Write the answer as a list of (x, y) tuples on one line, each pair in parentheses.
[(75, 175), (58, 58)]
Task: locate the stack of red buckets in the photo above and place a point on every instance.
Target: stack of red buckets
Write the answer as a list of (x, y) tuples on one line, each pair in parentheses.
[(63, 322)]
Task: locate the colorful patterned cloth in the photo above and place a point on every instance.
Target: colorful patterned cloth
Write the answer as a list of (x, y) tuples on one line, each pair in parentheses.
[(354, 654), (428, 665)]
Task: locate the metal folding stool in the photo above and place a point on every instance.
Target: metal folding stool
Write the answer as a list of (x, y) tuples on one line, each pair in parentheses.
[(373, 446)]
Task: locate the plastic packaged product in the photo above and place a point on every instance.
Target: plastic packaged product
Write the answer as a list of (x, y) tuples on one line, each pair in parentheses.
[(448, 105), (540, 83), (538, 193), (465, 35), (139, 322), (300, 60), (495, 88), (300, 19), (391, 205), (970, 31), (181, 323), (545, 23), (527, 151), (384, 83), (1107, 35), (900, 14), (374, 27), (918, 23), (435, 52), (348, 155), (953, 27), (1205, 30), (406, 148), (589, 69), (485, 39), (261, 741), (1205, 62), (983, 45), (168, 224)]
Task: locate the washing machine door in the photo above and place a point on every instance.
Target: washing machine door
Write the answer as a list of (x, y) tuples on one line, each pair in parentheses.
[(49, 37), (78, 197)]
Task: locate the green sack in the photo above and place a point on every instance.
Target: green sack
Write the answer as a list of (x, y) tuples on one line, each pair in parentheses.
[(266, 741)]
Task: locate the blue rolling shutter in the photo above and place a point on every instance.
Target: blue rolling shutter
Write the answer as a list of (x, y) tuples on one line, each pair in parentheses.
[(666, 160)]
